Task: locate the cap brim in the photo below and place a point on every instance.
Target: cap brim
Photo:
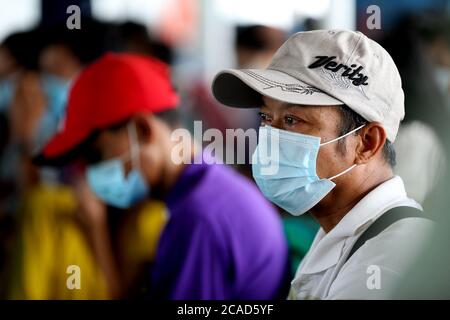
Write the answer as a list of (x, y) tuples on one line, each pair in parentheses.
[(63, 148), (243, 89), (40, 159)]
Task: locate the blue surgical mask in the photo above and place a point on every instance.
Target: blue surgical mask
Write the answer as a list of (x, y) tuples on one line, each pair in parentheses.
[(284, 168), (110, 183), (7, 88), (56, 91)]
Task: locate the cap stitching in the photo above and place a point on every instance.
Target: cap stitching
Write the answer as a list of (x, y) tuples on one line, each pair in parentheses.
[(354, 48), (290, 87)]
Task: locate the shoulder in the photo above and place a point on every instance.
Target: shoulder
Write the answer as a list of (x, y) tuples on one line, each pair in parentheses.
[(396, 245), (226, 202), (377, 266), (224, 190)]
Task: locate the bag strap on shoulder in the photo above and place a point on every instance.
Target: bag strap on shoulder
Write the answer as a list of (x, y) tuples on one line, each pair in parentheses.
[(388, 218)]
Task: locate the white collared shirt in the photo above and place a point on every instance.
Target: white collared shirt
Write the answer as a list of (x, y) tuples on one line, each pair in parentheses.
[(374, 270)]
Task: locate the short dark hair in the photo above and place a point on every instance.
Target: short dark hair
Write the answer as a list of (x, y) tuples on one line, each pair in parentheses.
[(259, 37), (87, 44), (351, 120), (171, 117), (135, 37), (25, 47)]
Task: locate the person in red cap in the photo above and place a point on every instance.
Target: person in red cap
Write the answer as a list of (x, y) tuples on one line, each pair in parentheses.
[(223, 240)]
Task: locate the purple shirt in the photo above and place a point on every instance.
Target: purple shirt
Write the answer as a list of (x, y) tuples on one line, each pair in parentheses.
[(223, 240)]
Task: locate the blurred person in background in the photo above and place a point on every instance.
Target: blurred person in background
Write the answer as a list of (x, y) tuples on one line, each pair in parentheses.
[(15, 59), (255, 45), (9, 67), (135, 38), (64, 53), (50, 234), (222, 240), (18, 65), (420, 46), (46, 237)]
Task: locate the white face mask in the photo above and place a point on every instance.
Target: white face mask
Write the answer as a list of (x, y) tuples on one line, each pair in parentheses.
[(287, 176)]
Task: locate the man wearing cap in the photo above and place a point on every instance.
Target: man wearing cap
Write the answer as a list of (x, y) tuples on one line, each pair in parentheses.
[(222, 239), (331, 103)]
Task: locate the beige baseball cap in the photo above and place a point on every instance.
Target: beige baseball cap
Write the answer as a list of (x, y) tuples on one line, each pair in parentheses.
[(323, 67)]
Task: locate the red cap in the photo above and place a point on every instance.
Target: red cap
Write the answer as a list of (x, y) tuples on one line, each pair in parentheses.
[(110, 90)]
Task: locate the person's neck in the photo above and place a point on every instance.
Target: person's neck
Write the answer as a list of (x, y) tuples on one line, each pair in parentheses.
[(172, 170), (344, 197)]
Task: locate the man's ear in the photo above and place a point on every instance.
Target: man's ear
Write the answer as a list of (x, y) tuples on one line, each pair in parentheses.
[(372, 139), (144, 127)]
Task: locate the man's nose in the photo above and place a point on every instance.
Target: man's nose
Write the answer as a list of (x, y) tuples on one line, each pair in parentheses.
[(277, 123)]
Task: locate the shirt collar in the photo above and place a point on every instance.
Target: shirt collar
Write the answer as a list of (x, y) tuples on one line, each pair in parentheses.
[(327, 247), (188, 178)]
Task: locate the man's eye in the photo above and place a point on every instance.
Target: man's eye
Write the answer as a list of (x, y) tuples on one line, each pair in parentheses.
[(264, 117), (290, 120)]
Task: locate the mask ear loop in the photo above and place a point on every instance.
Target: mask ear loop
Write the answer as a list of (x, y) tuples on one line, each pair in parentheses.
[(134, 145), (336, 139), (343, 172), (343, 136)]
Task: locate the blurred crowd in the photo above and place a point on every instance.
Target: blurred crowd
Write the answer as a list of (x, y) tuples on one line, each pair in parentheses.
[(41, 234), (41, 228), (43, 231)]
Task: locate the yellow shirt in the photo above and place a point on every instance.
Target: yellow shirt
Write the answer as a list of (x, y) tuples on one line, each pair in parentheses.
[(50, 241)]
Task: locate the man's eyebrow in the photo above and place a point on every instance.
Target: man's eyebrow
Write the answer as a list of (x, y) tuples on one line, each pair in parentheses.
[(290, 105), (284, 106)]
